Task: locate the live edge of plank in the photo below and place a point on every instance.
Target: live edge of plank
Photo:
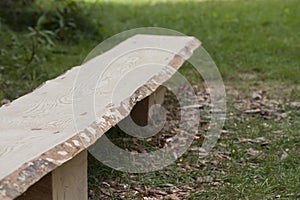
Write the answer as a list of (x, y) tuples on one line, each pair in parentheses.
[(15, 183)]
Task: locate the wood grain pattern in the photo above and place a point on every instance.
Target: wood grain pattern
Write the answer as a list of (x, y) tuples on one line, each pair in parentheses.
[(38, 132)]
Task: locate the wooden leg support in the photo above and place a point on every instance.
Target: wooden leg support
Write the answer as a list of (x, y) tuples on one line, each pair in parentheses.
[(140, 112), (67, 182), (157, 97)]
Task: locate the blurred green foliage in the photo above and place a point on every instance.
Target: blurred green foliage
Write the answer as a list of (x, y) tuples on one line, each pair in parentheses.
[(255, 40), (33, 35)]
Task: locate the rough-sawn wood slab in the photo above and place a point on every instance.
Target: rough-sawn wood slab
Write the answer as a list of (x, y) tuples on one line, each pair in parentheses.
[(37, 131)]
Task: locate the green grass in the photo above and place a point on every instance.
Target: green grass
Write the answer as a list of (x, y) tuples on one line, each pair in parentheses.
[(255, 45), (259, 38), (19, 77), (234, 172), (241, 36)]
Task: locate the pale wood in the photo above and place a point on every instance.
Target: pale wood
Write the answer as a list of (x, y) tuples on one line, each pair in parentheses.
[(158, 96), (37, 131), (69, 181)]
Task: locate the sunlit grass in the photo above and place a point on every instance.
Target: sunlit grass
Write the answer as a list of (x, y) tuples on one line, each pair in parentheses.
[(147, 1), (255, 40)]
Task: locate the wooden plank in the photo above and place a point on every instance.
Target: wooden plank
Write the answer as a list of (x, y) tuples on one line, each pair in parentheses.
[(69, 181), (38, 131)]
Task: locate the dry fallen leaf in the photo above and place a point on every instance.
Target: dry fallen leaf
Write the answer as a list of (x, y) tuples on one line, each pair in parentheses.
[(5, 102), (204, 179), (256, 96), (253, 111), (284, 155), (156, 191), (172, 197), (262, 140), (253, 152), (150, 198), (295, 104)]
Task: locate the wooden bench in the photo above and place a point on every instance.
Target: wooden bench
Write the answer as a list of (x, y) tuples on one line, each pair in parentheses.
[(43, 155)]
